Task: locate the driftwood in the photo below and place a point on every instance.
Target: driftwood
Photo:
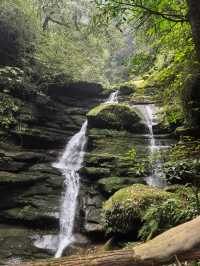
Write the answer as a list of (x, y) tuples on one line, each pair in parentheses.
[(179, 243)]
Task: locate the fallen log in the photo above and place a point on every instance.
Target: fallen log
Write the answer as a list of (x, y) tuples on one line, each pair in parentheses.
[(182, 242)]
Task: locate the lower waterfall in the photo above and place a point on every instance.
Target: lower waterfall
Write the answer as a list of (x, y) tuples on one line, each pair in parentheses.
[(69, 164)]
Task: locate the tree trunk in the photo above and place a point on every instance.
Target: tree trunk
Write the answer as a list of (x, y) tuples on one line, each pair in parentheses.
[(194, 17), (180, 242)]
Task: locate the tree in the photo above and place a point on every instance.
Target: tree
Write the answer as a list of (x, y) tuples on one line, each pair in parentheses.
[(18, 33), (194, 18), (180, 243), (143, 12)]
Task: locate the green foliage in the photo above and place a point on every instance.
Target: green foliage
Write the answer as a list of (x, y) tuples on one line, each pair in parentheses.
[(138, 167), (10, 76), (182, 171), (8, 109), (182, 161), (65, 46), (18, 32), (131, 154), (159, 218), (179, 209), (164, 50)]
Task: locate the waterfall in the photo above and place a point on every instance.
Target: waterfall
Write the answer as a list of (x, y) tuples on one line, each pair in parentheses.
[(69, 164), (113, 98), (157, 178)]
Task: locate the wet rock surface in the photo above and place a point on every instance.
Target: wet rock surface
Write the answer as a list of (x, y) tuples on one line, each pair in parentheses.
[(30, 187), (117, 156)]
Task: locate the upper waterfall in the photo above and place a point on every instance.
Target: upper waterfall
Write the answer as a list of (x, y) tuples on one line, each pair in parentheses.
[(157, 178)]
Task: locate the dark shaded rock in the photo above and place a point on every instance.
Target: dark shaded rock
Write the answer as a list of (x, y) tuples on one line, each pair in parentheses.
[(7, 164), (7, 178), (30, 157), (191, 98), (40, 137), (94, 173), (94, 229), (45, 168), (161, 129), (31, 216), (16, 244), (183, 131), (79, 89), (126, 90), (110, 185)]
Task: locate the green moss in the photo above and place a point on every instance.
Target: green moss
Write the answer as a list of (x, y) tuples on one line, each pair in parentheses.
[(94, 172), (124, 210), (116, 116), (31, 214), (11, 178)]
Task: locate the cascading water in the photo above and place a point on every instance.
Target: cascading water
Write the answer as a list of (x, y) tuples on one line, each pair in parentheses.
[(113, 98), (157, 178), (69, 164)]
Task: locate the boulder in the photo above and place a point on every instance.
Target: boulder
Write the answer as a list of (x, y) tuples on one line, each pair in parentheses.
[(116, 116), (123, 212)]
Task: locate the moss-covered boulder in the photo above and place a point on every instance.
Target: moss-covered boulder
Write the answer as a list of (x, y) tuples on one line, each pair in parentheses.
[(123, 212), (116, 116)]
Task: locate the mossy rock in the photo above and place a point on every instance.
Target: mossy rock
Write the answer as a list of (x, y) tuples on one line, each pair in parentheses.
[(7, 178), (92, 159), (123, 212), (111, 184), (41, 217), (116, 116), (94, 172)]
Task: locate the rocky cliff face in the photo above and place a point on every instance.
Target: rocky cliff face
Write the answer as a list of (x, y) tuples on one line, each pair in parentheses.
[(30, 187), (116, 157)]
